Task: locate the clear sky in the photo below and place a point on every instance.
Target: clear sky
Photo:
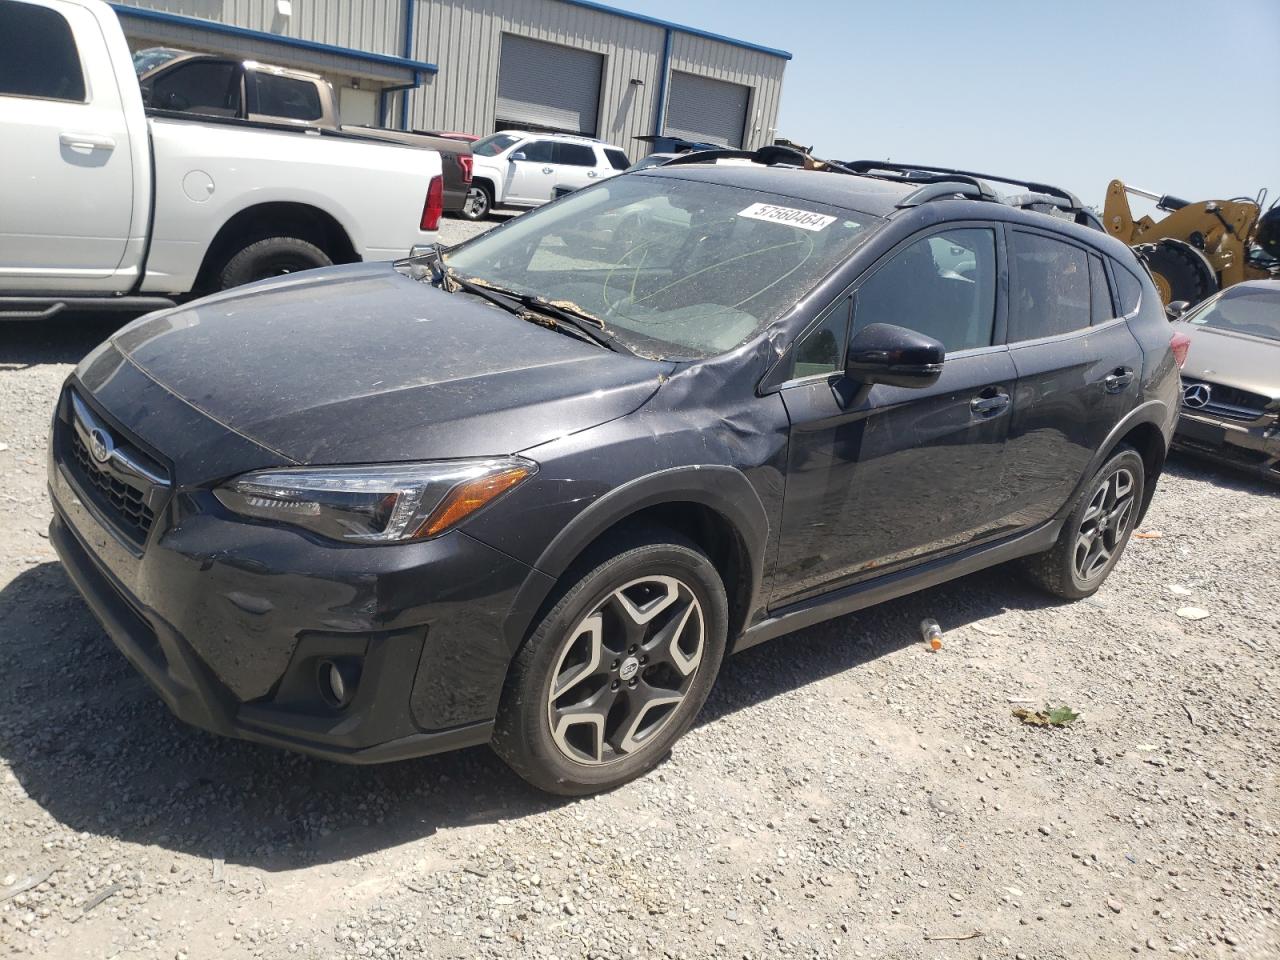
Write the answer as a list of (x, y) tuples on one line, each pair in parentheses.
[(1174, 96)]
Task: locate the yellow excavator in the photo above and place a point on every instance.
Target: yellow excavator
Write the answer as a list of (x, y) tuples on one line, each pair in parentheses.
[(1201, 247)]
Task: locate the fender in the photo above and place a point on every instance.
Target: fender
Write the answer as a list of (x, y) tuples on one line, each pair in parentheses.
[(725, 490), (1154, 412)]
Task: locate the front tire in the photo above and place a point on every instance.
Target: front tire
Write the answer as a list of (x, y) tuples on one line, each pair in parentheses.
[(617, 670), (1096, 533)]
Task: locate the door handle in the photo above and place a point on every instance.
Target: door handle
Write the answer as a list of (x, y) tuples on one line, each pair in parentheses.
[(1118, 379), (547, 170), (592, 174), (89, 141), (989, 402)]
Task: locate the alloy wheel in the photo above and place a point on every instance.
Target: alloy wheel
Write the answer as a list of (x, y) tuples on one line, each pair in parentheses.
[(1104, 525), (477, 204), (624, 670)]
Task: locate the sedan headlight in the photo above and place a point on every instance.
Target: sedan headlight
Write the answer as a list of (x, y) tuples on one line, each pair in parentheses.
[(375, 504)]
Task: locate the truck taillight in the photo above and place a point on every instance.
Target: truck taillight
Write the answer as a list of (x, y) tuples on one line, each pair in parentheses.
[(464, 161), (434, 207), (1180, 343)]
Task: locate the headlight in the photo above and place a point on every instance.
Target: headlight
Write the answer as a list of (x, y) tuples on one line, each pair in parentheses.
[(375, 504)]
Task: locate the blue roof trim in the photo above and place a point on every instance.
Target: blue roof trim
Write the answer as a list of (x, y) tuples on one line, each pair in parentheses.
[(314, 46), (678, 27)]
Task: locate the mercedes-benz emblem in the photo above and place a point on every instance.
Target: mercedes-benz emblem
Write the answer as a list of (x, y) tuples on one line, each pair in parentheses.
[(1196, 395), (100, 445)]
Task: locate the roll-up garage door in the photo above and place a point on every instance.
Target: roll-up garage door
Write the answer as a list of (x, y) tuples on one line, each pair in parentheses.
[(547, 86), (699, 108)]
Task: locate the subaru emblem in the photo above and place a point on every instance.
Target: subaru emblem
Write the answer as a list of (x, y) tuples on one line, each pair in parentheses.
[(100, 445)]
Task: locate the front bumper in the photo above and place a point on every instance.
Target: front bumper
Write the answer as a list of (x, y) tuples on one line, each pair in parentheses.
[(1250, 446), (230, 622)]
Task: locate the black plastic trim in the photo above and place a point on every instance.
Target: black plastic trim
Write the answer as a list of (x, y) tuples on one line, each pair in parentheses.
[(858, 596)]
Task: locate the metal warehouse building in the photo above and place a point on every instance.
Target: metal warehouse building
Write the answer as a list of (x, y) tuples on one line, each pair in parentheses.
[(482, 65)]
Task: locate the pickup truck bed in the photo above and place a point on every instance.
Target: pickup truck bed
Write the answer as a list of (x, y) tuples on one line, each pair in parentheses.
[(197, 84), (103, 205)]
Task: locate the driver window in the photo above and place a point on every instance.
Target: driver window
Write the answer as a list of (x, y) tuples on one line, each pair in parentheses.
[(210, 87), (943, 286), (540, 151)]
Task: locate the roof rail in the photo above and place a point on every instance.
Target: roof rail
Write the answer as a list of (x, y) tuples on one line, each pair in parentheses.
[(951, 187), (1040, 197), (858, 166), (771, 155), (936, 183), (1044, 203)]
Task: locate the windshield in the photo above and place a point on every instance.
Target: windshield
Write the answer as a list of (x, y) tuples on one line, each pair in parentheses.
[(673, 268), (493, 144), (144, 60), (1252, 311)]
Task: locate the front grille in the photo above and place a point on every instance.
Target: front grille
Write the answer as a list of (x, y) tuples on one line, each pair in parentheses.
[(128, 486), (124, 502), (1228, 402)]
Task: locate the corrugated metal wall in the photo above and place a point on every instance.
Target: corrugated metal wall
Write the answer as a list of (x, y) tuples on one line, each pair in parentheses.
[(464, 37), (751, 68), (370, 25)]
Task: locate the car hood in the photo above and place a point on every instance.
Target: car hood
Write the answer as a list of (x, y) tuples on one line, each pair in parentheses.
[(1232, 359), (361, 364)]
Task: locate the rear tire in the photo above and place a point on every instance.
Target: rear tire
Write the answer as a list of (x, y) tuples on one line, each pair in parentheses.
[(479, 202), (617, 669), (271, 257), (1096, 533)]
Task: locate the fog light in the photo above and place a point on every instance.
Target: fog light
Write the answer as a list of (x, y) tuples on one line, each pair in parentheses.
[(338, 682)]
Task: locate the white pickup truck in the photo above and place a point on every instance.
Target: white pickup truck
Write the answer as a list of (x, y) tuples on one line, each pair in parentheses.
[(106, 206)]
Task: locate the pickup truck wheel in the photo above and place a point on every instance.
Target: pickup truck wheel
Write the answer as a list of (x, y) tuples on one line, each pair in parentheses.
[(478, 203), (1096, 533), (272, 257), (617, 670)]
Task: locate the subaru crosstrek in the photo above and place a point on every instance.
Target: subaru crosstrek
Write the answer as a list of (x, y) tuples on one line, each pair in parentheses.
[(530, 490)]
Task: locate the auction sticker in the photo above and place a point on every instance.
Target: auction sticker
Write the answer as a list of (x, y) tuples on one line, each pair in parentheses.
[(804, 219)]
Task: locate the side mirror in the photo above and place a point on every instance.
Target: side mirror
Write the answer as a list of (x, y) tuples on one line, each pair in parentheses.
[(519, 155), (1176, 309), (884, 353)]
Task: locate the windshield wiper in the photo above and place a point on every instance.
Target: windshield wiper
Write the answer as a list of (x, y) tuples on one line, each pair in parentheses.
[(574, 323)]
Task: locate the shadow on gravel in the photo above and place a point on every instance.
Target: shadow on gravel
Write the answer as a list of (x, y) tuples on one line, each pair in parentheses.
[(91, 743), (848, 642), (1193, 467), (64, 339)]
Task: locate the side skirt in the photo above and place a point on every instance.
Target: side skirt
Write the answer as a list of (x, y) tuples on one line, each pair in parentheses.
[(858, 596)]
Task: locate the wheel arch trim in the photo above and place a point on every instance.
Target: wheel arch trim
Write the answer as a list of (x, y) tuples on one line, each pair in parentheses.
[(1152, 413), (724, 490)]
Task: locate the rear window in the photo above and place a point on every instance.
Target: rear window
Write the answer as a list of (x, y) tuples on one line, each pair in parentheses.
[(493, 144), (575, 155), (285, 97), (1129, 289), (1050, 292), (1103, 309), (209, 87), (152, 57), (38, 56), (617, 159)]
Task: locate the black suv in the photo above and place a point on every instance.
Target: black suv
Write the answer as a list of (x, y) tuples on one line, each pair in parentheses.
[(532, 489)]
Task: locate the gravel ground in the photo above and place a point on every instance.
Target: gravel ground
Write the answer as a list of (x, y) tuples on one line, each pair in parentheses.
[(845, 794)]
